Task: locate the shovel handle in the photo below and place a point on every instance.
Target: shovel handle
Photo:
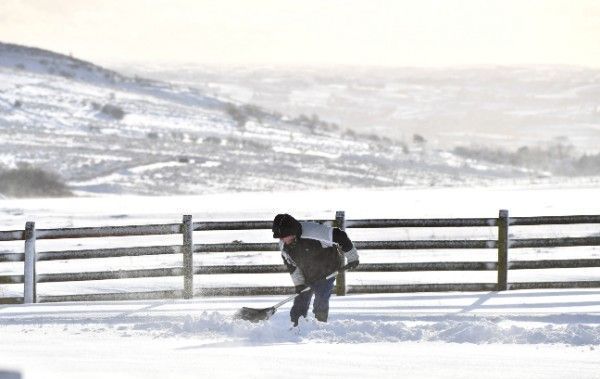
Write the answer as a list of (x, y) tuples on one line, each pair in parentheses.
[(308, 288)]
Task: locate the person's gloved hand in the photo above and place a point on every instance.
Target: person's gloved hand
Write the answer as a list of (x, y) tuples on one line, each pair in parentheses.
[(352, 258), (300, 287)]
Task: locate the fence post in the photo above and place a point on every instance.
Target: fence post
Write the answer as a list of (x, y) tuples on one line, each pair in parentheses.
[(188, 257), (340, 287), (502, 250), (29, 291)]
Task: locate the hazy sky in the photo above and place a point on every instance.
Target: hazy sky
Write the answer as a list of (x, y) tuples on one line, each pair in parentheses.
[(371, 32)]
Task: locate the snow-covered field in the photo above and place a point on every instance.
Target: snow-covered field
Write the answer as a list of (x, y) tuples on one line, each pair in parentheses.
[(533, 334)]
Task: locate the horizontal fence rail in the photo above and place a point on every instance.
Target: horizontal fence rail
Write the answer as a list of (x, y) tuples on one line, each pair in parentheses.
[(271, 269), (188, 249), (436, 287), (554, 242), (555, 220), (147, 295), (422, 245), (257, 247), (422, 223), (141, 230), (13, 235), (554, 263), (109, 231)]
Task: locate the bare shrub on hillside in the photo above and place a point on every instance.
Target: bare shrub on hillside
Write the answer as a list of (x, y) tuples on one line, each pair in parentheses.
[(237, 114), (27, 181), (113, 111)]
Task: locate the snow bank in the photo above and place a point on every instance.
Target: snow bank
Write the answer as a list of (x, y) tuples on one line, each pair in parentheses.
[(476, 330)]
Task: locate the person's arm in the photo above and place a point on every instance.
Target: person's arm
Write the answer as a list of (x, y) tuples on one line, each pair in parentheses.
[(295, 272), (341, 238)]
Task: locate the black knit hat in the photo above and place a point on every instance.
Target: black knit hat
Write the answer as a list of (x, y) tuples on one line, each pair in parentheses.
[(285, 225)]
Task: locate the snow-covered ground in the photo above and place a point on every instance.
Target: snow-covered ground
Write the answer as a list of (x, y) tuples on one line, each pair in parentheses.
[(533, 333)]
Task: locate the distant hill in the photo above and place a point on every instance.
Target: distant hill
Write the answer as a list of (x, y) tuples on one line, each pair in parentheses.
[(41, 61), (499, 106), (104, 132)]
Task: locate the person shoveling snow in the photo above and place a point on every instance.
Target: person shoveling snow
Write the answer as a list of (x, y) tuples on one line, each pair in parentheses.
[(313, 254)]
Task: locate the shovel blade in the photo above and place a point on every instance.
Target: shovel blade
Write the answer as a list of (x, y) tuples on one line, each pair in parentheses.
[(253, 314)]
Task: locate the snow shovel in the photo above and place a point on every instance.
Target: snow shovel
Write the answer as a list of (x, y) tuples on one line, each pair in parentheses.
[(256, 315)]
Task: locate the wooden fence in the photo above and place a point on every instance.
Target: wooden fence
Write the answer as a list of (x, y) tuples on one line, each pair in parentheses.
[(187, 249)]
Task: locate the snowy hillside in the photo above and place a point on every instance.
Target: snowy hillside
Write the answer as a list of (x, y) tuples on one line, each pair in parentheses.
[(107, 133)]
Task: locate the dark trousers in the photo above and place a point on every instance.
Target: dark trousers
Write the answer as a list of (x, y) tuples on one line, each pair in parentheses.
[(322, 291)]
